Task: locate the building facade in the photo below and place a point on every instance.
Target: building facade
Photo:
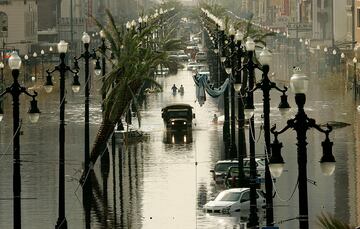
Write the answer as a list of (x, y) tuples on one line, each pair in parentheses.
[(19, 25)]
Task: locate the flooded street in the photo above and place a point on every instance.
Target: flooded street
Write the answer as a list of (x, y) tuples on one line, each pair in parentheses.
[(163, 181)]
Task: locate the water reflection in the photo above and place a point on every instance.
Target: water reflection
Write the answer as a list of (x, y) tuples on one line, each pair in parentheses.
[(177, 137), (164, 182)]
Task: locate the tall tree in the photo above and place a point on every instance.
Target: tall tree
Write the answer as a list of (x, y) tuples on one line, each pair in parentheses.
[(135, 62)]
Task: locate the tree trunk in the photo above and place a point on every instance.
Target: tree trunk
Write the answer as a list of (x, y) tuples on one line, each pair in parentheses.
[(107, 126)]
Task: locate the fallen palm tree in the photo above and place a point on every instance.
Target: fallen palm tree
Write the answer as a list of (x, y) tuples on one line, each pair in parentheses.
[(137, 53)]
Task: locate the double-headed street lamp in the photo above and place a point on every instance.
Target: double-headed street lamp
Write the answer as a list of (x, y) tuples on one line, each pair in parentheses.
[(301, 124), (16, 90), (62, 68), (86, 56), (265, 85)]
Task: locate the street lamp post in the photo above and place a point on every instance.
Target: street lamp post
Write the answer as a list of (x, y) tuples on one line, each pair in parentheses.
[(34, 77), (86, 55), (2, 73), (16, 90), (265, 85), (62, 68), (230, 71), (301, 124), (103, 49), (355, 76), (249, 113), (42, 52), (239, 36), (226, 125), (26, 60)]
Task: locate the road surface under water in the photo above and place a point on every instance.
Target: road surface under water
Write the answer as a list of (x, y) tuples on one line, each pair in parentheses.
[(163, 181)]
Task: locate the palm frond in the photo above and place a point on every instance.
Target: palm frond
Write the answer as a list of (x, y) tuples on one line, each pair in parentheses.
[(327, 221)]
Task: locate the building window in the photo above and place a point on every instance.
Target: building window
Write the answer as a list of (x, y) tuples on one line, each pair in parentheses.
[(3, 24), (358, 17)]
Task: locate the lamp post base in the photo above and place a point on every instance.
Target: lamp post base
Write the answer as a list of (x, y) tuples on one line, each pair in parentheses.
[(61, 224)]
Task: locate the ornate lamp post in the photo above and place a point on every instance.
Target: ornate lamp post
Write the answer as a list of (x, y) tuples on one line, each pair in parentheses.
[(34, 78), (86, 55), (354, 60), (226, 126), (62, 68), (42, 52), (265, 85), (2, 72), (301, 124), (16, 90), (231, 73), (239, 36), (26, 61), (249, 113), (103, 49)]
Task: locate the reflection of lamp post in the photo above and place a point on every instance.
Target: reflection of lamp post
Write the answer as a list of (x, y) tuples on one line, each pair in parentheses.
[(62, 68), (16, 90), (301, 124)]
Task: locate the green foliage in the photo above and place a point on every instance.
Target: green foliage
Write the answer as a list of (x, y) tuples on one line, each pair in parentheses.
[(327, 221), (135, 61)]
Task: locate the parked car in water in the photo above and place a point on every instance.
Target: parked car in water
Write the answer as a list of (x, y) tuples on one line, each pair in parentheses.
[(178, 116), (221, 168), (232, 177), (232, 201)]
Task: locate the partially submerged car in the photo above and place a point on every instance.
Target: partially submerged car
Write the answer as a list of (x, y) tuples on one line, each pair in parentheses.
[(232, 201), (178, 116)]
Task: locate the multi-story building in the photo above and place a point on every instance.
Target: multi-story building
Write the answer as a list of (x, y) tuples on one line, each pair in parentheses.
[(357, 21), (19, 25)]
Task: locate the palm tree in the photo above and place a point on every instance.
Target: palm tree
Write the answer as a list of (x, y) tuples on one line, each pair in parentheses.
[(134, 65)]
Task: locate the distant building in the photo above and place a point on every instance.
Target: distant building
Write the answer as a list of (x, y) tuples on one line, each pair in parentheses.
[(47, 14), (19, 25)]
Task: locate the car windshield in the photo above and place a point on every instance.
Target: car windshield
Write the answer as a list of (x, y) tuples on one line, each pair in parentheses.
[(175, 113), (223, 167), (228, 196)]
